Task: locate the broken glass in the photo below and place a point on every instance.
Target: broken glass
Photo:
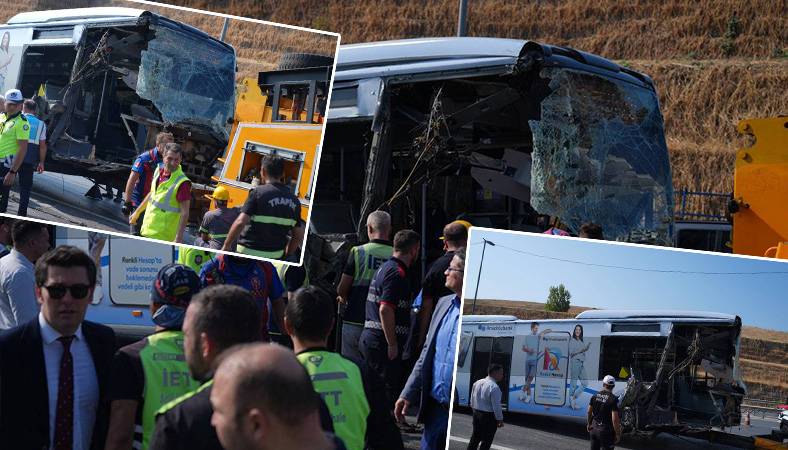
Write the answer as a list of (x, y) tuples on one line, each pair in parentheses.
[(600, 156), (190, 79)]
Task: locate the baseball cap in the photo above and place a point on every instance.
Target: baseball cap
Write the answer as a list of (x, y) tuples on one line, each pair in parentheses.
[(173, 288), (14, 96), (609, 380)]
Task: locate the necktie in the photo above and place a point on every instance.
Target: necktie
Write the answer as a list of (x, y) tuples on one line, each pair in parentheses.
[(64, 412)]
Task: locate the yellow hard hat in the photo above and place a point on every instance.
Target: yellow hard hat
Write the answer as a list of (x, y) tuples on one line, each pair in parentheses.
[(220, 193), (464, 223)]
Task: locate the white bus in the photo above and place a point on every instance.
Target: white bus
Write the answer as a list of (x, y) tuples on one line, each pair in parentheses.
[(674, 370)]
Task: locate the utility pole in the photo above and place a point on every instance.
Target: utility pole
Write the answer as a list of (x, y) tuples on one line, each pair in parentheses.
[(224, 29), (462, 20), (479, 277)]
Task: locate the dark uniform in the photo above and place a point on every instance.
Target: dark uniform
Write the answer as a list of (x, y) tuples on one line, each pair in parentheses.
[(383, 377), (273, 211), (603, 435), (185, 423)]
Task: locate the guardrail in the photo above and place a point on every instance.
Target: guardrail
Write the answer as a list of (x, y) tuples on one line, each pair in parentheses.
[(760, 408)]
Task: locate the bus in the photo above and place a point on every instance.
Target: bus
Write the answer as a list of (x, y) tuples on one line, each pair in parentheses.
[(674, 370)]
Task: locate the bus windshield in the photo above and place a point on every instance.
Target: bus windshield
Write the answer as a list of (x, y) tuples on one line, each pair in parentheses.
[(599, 154)]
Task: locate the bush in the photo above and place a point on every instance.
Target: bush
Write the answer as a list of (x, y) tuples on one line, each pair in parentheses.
[(558, 299)]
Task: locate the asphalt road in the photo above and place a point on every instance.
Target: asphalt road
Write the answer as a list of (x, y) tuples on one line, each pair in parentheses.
[(523, 431)]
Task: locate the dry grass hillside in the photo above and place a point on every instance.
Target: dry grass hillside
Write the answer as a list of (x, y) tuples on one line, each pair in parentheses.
[(714, 62), (763, 358)]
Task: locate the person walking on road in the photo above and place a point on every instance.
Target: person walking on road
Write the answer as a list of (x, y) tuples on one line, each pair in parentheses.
[(167, 203), (430, 381), (486, 405), (138, 184), (34, 156), (362, 263), (269, 220), (14, 138), (604, 422), (217, 222)]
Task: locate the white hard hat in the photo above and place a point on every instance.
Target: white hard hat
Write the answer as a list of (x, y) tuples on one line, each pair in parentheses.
[(609, 380), (14, 96)]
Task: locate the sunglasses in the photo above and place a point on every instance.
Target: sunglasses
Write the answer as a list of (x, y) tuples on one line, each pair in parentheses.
[(452, 269), (78, 291)]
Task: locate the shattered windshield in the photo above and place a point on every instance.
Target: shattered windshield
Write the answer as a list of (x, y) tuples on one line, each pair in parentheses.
[(190, 79), (600, 155)]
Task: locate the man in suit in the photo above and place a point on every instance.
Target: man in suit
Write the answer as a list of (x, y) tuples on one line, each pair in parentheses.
[(431, 378), (54, 369)]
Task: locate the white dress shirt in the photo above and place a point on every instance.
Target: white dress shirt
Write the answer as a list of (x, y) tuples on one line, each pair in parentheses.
[(486, 396), (86, 391), (18, 304)]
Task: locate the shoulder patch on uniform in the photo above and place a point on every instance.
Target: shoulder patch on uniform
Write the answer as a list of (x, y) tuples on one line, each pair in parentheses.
[(315, 359), (25, 127)]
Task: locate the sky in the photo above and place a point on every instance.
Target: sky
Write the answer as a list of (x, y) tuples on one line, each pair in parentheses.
[(523, 266)]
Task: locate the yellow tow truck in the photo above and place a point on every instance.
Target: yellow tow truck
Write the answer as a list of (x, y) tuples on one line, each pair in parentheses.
[(281, 113)]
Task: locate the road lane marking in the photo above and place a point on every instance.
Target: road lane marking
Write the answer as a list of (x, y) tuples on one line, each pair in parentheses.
[(465, 441)]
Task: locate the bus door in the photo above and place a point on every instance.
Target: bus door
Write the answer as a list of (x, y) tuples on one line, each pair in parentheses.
[(489, 350)]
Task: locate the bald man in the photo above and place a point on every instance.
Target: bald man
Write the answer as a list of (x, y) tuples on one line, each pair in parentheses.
[(263, 399)]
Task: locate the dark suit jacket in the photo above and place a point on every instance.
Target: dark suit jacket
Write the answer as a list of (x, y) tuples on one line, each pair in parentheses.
[(24, 401), (419, 382)]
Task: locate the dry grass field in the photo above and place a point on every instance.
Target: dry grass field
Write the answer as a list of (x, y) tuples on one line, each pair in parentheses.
[(763, 358)]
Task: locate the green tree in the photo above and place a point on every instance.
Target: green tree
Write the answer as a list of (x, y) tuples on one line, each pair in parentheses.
[(558, 299)]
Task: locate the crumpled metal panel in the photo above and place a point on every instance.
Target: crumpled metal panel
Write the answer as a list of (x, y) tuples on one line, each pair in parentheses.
[(189, 80), (599, 154)]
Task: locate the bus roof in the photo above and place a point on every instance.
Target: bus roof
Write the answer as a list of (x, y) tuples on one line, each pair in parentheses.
[(84, 14), (613, 314)]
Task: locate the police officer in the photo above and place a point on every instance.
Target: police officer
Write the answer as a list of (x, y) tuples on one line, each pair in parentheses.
[(14, 136), (153, 371), (270, 215), (167, 210), (362, 263), (217, 318), (604, 422), (139, 182), (35, 155), (386, 326), (217, 222), (309, 318)]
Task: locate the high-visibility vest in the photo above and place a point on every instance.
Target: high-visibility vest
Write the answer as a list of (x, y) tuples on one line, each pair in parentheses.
[(194, 258), (166, 376), (367, 259), (163, 212), (338, 381), (281, 270), (12, 129)]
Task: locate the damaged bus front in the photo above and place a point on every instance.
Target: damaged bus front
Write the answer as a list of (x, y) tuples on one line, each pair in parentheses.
[(504, 133), (106, 80)]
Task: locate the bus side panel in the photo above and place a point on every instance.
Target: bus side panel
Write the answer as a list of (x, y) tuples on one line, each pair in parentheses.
[(11, 57), (528, 358)]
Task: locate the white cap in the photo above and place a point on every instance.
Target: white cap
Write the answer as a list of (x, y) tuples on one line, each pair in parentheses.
[(14, 96), (609, 380)]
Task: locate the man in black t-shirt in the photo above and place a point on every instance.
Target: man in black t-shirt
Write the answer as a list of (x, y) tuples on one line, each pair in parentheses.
[(604, 422), (386, 327), (455, 236), (269, 217)]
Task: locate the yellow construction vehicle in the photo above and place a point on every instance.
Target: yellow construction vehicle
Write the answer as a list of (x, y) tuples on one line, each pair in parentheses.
[(760, 190), (281, 113)]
